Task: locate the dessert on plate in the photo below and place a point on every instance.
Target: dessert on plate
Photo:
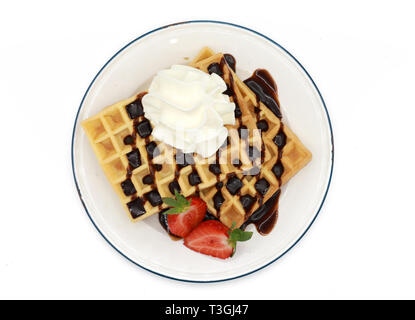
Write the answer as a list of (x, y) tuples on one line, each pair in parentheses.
[(205, 150)]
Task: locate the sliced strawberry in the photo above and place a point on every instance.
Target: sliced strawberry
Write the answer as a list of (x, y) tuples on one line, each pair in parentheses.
[(211, 238), (215, 239), (185, 214)]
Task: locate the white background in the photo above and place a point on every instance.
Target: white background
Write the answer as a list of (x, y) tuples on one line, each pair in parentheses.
[(360, 54)]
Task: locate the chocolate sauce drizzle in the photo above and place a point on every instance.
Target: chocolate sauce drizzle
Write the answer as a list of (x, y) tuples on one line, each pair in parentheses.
[(136, 204), (131, 140), (265, 89), (230, 61)]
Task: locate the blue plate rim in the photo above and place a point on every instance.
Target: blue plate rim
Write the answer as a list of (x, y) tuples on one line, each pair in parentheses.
[(213, 22)]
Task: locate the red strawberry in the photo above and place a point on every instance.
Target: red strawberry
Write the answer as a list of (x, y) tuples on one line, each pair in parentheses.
[(185, 214), (213, 238)]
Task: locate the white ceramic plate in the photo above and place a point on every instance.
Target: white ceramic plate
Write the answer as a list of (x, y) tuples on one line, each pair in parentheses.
[(129, 71)]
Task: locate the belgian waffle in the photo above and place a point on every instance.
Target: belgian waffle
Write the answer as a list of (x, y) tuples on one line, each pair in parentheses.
[(124, 155), (142, 170), (283, 155)]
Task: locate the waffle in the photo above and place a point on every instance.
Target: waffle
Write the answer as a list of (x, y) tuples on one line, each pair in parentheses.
[(243, 136), (240, 194), (142, 170), (125, 163)]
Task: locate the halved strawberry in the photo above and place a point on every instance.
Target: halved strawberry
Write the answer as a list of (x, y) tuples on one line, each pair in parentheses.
[(184, 214), (215, 239)]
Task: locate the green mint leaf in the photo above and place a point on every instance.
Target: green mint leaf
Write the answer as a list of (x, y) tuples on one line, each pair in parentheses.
[(236, 235), (181, 199), (239, 235), (178, 205), (170, 202), (231, 228), (172, 211)]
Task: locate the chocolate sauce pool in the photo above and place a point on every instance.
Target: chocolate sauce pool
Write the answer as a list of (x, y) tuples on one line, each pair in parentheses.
[(266, 216)]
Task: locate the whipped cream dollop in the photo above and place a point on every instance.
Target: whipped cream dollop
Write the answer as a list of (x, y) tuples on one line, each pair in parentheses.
[(188, 109)]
